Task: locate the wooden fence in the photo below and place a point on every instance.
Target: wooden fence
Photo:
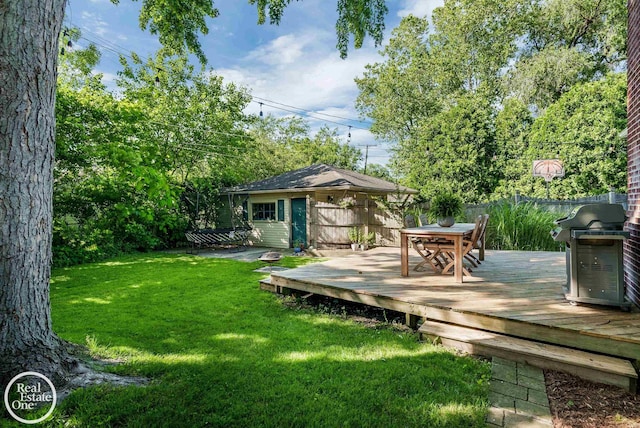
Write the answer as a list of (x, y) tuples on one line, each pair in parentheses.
[(330, 223), (562, 207)]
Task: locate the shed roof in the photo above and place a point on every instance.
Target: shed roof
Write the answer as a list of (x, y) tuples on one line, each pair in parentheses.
[(318, 177)]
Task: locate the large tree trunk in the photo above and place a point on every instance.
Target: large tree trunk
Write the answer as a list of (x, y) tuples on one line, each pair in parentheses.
[(29, 32)]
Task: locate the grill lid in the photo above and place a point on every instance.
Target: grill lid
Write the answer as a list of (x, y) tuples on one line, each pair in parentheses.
[(605, 217)]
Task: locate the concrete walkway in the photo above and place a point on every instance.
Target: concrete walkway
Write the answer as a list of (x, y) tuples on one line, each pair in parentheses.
[(518, 396)]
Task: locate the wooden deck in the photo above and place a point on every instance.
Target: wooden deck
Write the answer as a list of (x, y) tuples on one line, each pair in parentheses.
[(514, 293)]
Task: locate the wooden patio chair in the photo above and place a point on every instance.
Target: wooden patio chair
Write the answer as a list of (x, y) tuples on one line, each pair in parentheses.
[(410, 221), (480, 243), (482, 239), (467, 246), (429, 252)]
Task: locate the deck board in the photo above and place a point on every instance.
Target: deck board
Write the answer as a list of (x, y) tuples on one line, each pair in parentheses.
[(511, 292)]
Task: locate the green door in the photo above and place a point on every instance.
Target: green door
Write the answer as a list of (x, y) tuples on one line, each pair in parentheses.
[(299, 220)]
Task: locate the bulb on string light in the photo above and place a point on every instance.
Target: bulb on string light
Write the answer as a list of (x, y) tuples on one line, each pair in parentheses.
[(157, 78), (349, 134), (261, 110), (65, 33)]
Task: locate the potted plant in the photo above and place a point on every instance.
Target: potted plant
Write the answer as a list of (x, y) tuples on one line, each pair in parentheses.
[(298, 246), (355, 237), (367, 240), (445, 207)]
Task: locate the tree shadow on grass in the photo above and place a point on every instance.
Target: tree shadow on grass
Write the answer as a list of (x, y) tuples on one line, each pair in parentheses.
[(220, 352)]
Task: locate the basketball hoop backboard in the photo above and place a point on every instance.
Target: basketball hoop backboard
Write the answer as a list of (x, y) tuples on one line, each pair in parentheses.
[(548, 169)]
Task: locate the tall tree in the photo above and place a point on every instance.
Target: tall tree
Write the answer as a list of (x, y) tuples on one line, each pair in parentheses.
[(518, 56), (325, 147), (582, 129), (473, 40), (284, 144), (401, 91), (28, 58), (453, 152), (29, 31), (567, 42), (194, 119)]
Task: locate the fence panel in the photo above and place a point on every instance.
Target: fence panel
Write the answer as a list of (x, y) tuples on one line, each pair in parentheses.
[(562, 207), (332, 223)]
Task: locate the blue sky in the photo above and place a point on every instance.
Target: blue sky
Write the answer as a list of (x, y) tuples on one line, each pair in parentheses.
[(294, 64)]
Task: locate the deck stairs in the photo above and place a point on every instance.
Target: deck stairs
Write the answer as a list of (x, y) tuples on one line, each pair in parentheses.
[(587, 365), (266, 285)]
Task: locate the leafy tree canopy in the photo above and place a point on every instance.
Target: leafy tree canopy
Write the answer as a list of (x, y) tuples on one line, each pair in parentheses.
[(515, 59), (357, 18), (582, 129)]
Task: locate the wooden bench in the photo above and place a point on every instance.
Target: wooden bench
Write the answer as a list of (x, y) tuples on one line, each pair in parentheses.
[(208, 238)]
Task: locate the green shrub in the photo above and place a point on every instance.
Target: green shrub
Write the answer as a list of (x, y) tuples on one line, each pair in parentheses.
[(522, 227), (76, 244), (109, 235)]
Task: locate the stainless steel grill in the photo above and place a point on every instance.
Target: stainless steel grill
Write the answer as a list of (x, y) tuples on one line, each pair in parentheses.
[(594, 235)]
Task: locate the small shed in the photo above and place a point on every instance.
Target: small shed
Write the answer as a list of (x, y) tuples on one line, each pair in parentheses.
[(317, 205)]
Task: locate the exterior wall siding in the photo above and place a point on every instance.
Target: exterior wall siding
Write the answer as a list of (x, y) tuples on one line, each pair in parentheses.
[(327, 222), (632, 245), (271, 233)]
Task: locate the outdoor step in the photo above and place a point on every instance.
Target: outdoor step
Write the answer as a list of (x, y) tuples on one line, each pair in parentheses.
[(590, 366), (266, 285)]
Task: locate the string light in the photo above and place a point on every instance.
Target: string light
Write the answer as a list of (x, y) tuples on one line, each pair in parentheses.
[(310, 115), (65, 34), (118, 50), (309, 112)]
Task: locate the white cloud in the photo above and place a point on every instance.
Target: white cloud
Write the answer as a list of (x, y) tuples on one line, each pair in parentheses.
[(281, 51), (95, 23), (109, 79), (420, 8), (304, 70)]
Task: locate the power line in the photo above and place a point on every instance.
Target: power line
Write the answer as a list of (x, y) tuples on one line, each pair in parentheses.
[(114, 48), (119, 50), (309, 115), (312, 112)]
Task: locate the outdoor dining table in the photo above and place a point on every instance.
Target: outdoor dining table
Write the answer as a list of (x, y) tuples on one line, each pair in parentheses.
[(455, 233)]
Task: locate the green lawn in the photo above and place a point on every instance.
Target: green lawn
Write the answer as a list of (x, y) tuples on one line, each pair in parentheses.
[(221, 352)]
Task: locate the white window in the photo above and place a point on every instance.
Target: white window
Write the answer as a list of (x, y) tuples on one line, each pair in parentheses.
[(264, 211)]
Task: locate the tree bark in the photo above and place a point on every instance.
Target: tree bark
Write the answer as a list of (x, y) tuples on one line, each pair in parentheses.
[(29, 31)]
